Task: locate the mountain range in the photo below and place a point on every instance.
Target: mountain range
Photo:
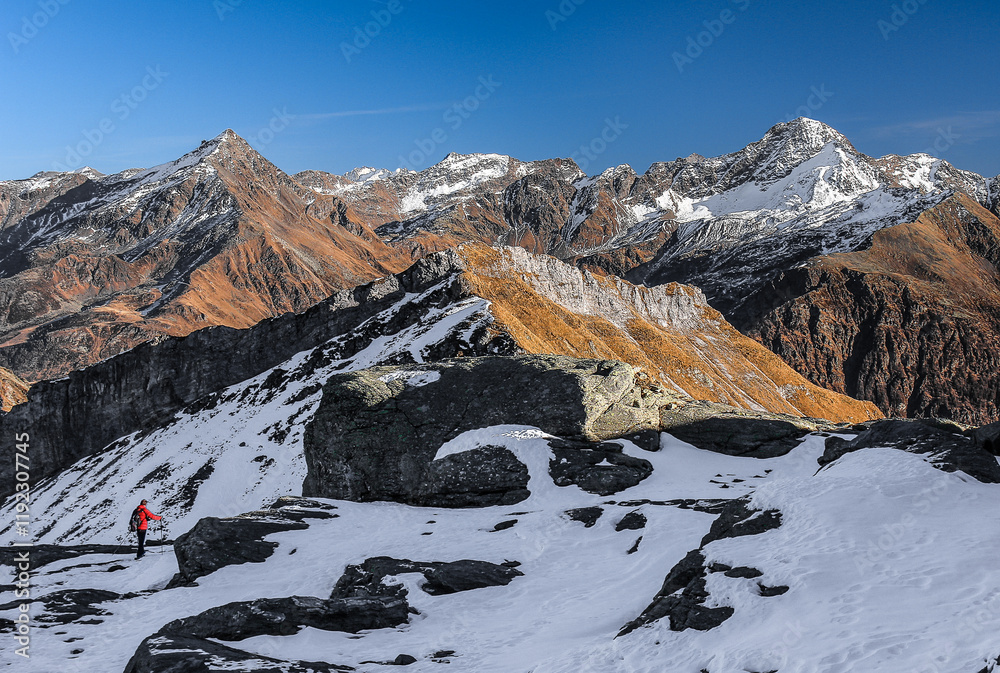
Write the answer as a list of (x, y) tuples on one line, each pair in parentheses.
[(875, 278), (498, 415)]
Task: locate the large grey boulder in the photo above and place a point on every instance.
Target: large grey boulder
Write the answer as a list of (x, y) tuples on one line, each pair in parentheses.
[(376, 432)]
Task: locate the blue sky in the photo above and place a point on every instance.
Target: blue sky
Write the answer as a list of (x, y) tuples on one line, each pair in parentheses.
[(333, 85)]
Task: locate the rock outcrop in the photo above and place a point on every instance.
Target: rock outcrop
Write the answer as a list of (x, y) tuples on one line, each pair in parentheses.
[(375, 436), (947, 449), (377, 433), (440, 578)]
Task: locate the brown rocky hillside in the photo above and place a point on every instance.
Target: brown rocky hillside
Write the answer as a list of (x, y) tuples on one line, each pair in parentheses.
[(912, 323)]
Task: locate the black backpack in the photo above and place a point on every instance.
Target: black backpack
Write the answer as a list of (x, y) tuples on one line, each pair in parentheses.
[(133, 522)]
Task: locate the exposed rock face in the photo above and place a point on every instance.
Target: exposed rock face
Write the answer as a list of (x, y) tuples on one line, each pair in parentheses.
[(669, 331), (177, 653), (599, 468), (910, 323), (13, 390), (375, 435), (737, 432), (69, 605), (948, 451), (588, 516)]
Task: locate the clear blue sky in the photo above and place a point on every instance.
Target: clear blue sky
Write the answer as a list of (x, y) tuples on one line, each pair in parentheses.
[(69, 66)]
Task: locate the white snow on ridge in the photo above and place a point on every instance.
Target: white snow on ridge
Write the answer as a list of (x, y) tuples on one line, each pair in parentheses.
[(237, 455)]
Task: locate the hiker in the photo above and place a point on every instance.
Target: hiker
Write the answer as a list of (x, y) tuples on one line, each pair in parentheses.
[(144, 515)]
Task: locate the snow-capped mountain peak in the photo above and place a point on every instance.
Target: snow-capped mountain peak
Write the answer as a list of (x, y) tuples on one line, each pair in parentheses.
[(367, 174)]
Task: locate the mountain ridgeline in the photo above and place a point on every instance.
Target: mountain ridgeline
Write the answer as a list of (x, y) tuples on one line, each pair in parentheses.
[(873, 277)]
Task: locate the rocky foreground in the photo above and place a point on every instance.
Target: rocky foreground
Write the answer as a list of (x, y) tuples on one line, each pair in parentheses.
[(554, 514)]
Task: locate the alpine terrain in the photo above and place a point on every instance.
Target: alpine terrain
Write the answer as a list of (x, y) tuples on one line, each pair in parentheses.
[(736, 414)]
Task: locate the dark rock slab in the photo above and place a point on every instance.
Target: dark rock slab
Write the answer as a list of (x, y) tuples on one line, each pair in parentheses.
[(736, 435), (596, 467), (948, 450), (465, 575), (483, 477), (988, 438), (681, 599), (214, 543), (588, 516), (771, 591), (631, 521), (707, 505), (286, 616), (44, 554), (69, 605), (441, 578), (738, 518)]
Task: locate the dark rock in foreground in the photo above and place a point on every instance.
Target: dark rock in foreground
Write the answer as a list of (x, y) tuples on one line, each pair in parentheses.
[(187, 645), (683, 594), (215, 543), (588, 516), (440, 578), (176, 653), (596, 467)]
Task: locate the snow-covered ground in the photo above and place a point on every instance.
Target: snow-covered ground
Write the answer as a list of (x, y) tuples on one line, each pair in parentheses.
[(891, 566), (239, 450)]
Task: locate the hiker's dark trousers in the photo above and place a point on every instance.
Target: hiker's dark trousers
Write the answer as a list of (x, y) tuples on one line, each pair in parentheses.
[(142, 542)]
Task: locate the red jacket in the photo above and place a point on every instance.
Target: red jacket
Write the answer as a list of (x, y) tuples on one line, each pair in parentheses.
[(144, 516)]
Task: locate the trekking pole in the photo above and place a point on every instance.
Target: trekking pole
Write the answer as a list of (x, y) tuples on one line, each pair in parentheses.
[(121, 541)]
